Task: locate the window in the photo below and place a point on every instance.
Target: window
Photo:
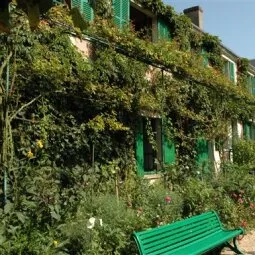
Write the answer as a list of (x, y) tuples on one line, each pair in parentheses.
[(251, 85), (249, 130), (151, 154), (229, 70), (141, 22)]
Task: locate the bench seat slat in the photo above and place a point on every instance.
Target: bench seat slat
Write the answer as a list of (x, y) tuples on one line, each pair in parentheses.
[(182, 234), (179, 243), (183, 237), (213, 224), (200, 246), (207, 244), (180, 224)]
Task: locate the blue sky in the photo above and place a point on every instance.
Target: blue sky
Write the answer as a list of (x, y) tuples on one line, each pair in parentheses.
[(233, 21)]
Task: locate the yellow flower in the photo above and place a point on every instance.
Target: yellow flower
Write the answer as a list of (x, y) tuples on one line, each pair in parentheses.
[(39, 144), (55, 243), (30, 154)]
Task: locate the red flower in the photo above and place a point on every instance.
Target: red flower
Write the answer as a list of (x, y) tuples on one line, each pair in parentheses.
[(168, 199)]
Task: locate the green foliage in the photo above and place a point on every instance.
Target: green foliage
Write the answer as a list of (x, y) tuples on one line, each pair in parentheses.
[(103, 8), (68, 135), (243, 75), (231, 194), (243, 152)]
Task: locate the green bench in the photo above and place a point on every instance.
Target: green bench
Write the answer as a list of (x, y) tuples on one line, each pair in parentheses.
[(195, 235)]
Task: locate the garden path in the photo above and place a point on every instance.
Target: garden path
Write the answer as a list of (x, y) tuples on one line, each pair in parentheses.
[(247, 244)]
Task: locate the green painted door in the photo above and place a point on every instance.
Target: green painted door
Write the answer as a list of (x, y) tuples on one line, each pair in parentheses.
[(139, 147), (202, 151), (168, 151), (121, 12), (163, 30)]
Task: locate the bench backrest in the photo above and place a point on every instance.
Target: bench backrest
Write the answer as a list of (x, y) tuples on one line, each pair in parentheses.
[(166, 239)]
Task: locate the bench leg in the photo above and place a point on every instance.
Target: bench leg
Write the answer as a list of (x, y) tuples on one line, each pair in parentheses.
[(234, 247)]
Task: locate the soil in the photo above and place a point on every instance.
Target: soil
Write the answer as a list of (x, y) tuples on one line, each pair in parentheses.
[(246, 244)]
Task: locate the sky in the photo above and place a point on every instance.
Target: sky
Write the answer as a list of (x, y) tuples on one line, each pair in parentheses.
[(233, 21)]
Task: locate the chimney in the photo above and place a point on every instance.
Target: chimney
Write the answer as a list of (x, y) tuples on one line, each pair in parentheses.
[(196, 15)]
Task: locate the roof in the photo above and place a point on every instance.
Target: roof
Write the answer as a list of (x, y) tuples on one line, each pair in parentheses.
[(252, 62)]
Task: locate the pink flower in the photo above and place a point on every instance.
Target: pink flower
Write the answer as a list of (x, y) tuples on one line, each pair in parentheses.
[(244, 223), (252, 206), (168, 199), (240, 200), (234, 195)]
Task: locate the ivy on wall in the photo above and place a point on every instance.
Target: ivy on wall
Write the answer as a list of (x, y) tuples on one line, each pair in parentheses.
[(97, 102)]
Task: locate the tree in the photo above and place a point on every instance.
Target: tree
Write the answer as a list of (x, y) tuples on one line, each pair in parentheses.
[(33, 8)]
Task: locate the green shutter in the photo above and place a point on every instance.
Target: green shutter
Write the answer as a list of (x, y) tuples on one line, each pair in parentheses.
[(139, 148), (168, 151), (202, 151), (252, 131), (85, 8), (247, 131), (253, 85), (121, 12), (232, 71), (205, 58), (76, 3), (163, 30), (249, 84)]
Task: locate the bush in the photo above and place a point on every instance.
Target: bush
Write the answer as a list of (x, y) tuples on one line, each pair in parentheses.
[(153, 206), (243, 153)]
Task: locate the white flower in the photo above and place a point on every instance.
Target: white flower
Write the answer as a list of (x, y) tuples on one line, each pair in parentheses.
[(91, 223)]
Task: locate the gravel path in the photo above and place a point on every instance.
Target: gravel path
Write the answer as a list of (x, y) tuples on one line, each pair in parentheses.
[(247, 244)]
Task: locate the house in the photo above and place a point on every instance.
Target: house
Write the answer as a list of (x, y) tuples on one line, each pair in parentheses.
[(153, 26)]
